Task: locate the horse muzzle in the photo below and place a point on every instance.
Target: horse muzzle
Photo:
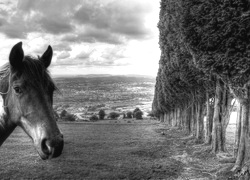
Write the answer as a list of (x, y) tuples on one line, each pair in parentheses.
[(47, 139), (50, 148)]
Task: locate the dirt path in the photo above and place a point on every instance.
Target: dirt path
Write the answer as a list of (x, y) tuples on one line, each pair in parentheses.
[(197, 160), (111, 151)]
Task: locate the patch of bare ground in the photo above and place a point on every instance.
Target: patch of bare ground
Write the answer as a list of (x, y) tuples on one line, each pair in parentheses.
[(198, 162)]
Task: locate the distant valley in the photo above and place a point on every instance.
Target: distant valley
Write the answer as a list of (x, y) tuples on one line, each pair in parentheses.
[(90, 93)]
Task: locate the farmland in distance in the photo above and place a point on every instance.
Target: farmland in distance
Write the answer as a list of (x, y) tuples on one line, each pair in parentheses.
[(84, 94)]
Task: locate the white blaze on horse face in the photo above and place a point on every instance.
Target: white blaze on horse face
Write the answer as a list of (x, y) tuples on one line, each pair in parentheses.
[(2, 112)]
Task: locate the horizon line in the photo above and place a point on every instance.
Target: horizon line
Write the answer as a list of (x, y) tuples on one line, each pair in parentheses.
[(101, 74)]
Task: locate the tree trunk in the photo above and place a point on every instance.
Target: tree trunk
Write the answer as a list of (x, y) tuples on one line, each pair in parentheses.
[(222, 110), (169, 119), (218, 143), (174, 124), (200, 122), (194, 115), (189, 120), (165, 118), (178, 117), (186, 119), (209, 119), (238, 129), (182, 117), (243, 155), (161, 117), (172, 118)]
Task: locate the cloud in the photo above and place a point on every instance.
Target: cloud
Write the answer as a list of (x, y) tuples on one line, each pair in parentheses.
[(2, 22), (39, 49), (63, 55), (27, 16), (55, 25), (84, 55), (111, 21), (62, 47), (110, 56), (82, 33), (114, 53), (92, 35), (125, 18), (13, 27), (64, 59)]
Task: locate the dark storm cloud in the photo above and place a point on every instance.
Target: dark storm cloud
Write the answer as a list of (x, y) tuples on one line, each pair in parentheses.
[(13, 29), (67, 24), (2, 22), (27, 16), (55, 25), (125, 18), (111, 22)]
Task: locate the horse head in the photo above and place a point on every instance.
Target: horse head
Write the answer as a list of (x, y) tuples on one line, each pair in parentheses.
[(28, 101)]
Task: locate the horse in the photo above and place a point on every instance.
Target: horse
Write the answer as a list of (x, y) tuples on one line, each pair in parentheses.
[(27, 93)]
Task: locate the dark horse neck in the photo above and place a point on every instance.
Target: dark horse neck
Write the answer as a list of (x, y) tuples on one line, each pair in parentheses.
[(6, 127)]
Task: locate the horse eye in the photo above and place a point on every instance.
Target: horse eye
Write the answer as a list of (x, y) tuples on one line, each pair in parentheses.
[(18, 90)]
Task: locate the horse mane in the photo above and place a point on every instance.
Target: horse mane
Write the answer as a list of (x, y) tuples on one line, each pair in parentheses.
[(4, 71), (33, 72)]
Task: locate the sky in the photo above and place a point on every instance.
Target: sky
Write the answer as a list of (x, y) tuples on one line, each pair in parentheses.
[(87, 36)]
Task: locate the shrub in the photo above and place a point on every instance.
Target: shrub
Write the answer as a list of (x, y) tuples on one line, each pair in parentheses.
[(101, 114), (92, 108), (63, 113), (138, 114), (136, 109), (93, 118), (151, 114), (129, 114), (100, 105), (114, 115), (69, 117), (124, 115)]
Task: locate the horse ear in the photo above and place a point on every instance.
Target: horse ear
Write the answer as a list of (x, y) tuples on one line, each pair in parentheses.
[(16, 56), (47, 56)]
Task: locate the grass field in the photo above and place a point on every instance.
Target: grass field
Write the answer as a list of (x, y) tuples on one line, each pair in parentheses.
[(109, 151)]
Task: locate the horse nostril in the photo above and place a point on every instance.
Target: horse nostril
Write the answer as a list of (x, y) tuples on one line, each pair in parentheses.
[(46, 148), (52, 148), (59, 147)]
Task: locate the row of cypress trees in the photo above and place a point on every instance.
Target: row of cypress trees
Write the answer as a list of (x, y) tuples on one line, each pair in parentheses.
[(204, 65)]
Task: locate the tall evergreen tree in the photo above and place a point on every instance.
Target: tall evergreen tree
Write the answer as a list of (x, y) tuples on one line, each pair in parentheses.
[(217, 33)]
